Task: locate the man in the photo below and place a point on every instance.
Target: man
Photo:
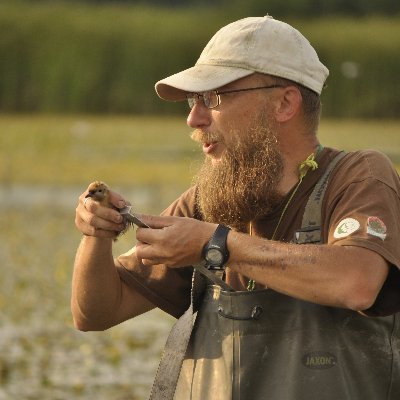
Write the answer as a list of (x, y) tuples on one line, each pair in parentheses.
[(302, 321)]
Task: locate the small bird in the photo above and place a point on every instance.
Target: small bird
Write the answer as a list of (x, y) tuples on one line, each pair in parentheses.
[(99, 192)]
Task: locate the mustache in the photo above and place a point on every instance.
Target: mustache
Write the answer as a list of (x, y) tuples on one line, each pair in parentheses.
[(200, 136)]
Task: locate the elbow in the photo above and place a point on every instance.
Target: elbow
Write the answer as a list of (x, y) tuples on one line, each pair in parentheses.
[(84, 325), (360, 304), (363, 281), (81, 325), (361, 297)]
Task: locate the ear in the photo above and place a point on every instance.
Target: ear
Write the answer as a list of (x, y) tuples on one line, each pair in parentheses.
[(288, 104)]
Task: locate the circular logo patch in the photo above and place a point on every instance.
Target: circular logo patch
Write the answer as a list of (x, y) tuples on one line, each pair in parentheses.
[(346, 227)]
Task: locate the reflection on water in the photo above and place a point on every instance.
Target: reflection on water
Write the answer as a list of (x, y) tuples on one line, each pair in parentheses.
[(41, 355), (49, 360)]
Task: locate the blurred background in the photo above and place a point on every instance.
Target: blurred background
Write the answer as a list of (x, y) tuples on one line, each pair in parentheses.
[(77, 103)]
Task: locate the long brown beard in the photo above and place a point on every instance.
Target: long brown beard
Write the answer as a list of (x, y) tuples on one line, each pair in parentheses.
[(242, 186)]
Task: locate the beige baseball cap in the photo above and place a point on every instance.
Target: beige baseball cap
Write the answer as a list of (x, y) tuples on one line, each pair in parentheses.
[(254, 44)]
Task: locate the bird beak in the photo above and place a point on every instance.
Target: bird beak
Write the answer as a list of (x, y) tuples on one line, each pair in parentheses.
[(90, 194)]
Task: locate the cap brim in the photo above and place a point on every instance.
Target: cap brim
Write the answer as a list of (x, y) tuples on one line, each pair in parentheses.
[(197, 79)]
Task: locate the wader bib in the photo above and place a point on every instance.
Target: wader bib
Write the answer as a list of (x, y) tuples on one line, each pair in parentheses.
[(265, 345)]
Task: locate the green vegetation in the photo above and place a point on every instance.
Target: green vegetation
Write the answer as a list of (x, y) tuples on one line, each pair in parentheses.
[(129, 151), (42, 355), (64, 57), (68, 150)]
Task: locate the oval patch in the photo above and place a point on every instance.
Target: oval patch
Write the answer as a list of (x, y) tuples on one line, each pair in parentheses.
[(346, 227), (319, 360), (376, 227)]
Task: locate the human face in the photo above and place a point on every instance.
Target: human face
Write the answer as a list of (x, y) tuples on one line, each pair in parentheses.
[(236, 107), (243, 185)]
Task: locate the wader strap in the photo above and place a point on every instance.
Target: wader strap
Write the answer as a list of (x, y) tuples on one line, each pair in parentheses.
[(214, 277), (175, 348), (310, 231)]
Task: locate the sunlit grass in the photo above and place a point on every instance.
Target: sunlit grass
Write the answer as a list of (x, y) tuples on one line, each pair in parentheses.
[(76, 150), (363, 134), (130, 151)]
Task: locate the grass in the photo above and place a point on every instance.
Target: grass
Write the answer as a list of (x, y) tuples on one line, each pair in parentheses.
[(350, 135), (75, 150), (129, 151), (37, 245), (106, 58)]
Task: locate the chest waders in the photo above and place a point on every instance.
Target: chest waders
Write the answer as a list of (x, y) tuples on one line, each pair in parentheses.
[(263, 345)]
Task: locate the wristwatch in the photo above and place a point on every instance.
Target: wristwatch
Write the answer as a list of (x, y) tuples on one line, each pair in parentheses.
[(215, 252)]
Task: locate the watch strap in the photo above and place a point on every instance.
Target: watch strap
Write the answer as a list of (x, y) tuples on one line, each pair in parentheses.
[(218, 240), (219, 237)]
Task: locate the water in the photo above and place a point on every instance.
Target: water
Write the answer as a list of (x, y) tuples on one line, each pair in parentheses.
[(41, 355)]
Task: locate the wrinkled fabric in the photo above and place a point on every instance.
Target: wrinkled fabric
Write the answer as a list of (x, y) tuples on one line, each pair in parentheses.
[(264, 345)]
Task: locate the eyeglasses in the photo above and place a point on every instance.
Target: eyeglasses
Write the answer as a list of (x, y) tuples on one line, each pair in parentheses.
[(212, 99)]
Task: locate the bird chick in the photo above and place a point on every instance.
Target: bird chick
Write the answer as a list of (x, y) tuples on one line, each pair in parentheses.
[(99, 192)]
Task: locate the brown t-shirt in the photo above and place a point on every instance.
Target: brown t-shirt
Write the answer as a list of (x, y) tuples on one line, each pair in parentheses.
[(361, 207)]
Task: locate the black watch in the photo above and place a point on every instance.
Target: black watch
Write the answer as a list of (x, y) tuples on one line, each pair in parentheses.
[(215, 252)]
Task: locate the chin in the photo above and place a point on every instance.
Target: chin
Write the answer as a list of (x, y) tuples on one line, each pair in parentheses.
[(215, 161)]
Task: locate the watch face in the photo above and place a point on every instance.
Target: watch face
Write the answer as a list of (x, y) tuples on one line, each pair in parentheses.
[(214, 257)]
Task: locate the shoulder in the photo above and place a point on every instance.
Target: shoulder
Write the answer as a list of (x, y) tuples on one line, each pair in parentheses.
[(362, 165)]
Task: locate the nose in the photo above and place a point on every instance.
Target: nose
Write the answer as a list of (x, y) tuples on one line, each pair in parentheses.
[(199, 116)]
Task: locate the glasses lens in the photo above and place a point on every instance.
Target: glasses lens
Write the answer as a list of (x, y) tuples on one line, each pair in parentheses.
[(210, 99), (191, 98), (206, 99)]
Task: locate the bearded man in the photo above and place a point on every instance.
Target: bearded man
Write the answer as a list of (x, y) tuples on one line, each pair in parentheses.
[(299, 243)]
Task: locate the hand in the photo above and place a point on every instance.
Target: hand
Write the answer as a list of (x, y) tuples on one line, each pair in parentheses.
[(173, 241), (100, 219)]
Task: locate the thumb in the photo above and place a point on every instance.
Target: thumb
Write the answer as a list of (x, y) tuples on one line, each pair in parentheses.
[(157, 222)]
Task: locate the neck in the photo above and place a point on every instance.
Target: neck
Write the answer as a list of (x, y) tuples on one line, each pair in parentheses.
[(293, 155)]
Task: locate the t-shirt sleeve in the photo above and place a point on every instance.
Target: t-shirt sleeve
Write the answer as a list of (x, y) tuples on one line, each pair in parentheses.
[(364, 210), (167, 288)]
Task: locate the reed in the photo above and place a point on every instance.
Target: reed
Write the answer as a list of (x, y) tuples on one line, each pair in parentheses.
[(105, 59)]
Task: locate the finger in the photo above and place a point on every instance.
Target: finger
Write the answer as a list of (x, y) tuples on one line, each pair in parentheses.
[(89, 230), (146, 254), (149, 263), (149, 235), (105, 213), (117, 200), (99, 217), (157, 222)]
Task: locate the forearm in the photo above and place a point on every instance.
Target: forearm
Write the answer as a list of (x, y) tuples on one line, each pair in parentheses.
[(96, 286), (339, 276)]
